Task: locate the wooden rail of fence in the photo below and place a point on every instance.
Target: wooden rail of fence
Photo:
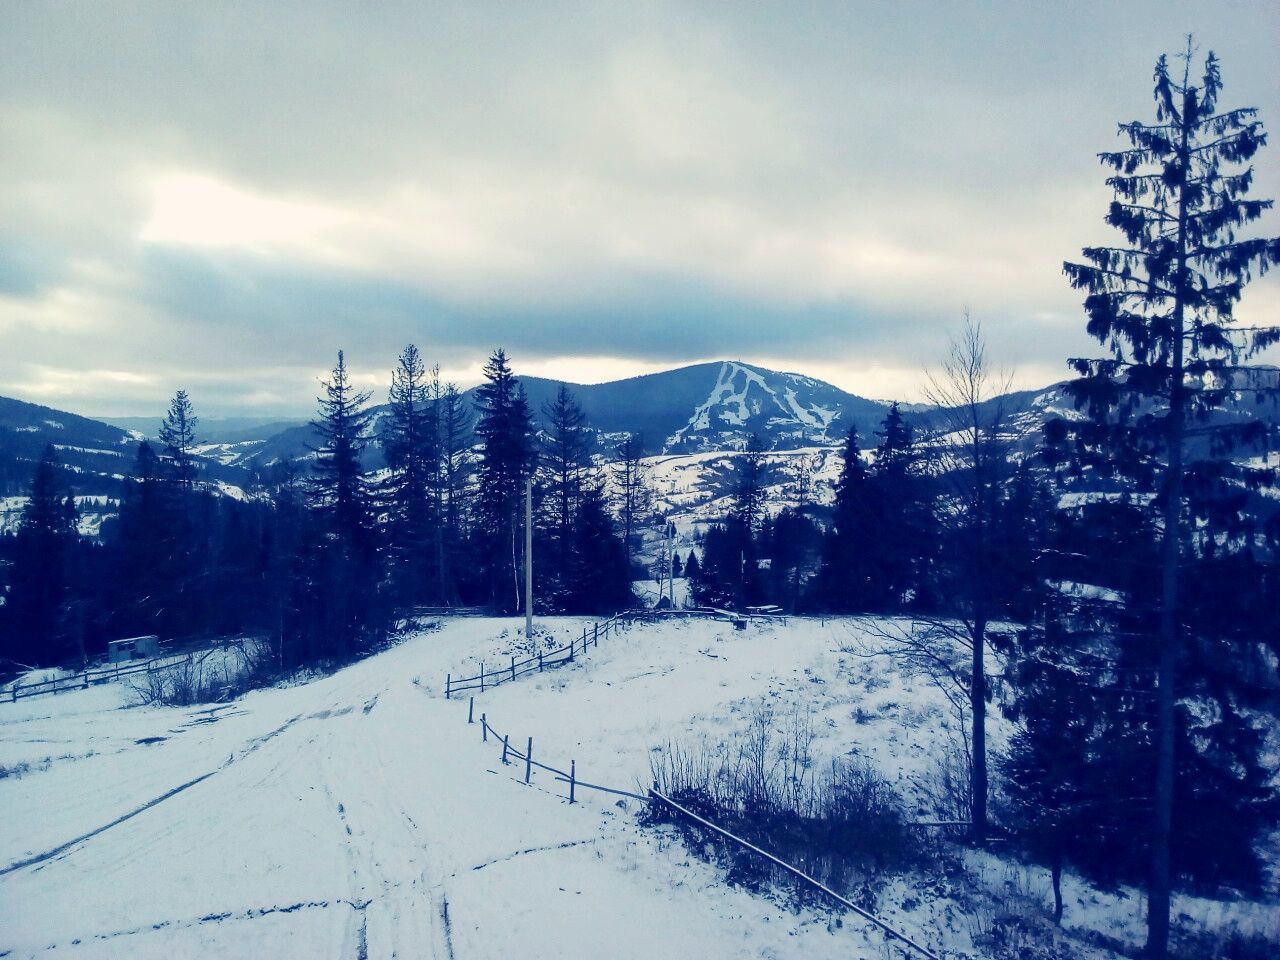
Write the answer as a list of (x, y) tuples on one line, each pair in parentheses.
[(109, 674), (512, 754), (591, 636), (113, 672), (654, 795)]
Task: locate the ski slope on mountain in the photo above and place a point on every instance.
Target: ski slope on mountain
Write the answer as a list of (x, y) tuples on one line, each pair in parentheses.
[(360, 816)]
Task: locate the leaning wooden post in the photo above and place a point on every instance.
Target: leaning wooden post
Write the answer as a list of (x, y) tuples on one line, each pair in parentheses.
[(573, 774), (504, 748), (471, 708), (484, 728), (448, 684), (528, 760)]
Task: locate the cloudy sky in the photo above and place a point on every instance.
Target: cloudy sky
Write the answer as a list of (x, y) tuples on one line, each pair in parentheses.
[(220, 196)]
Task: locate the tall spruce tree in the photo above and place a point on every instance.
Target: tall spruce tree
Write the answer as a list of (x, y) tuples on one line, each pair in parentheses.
[(845, 580), (900, 501), (409, 441), (453, 424), (148, 548), (504, 428), (339, 489), (178, 434), (39, 579), (632, 494), (1163, 303), (748, 490), (566, 457), (344, 606)]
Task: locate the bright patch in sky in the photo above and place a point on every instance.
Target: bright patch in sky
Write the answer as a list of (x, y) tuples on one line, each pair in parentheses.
[(198, 210)]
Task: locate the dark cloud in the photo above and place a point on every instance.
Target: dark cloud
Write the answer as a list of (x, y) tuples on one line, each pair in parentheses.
[(224, 194)]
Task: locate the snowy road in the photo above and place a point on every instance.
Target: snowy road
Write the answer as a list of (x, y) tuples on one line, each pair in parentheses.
[(358, 816)]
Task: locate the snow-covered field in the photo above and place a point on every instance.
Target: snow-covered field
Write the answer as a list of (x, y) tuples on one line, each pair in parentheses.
[(358, 815)]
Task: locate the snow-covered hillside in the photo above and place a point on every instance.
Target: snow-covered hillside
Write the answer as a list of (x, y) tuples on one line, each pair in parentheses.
[(785, 410), (359, 815)]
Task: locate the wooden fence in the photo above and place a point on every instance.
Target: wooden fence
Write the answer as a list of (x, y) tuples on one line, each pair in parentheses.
[(108, 674), (591, 636), (512, 754), (119, 671)]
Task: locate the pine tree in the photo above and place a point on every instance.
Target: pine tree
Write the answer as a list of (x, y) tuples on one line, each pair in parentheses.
[(453, 429), (598, 580), (178, 434), (504, 428), (632, 494), (566, 459), (692, 569), (339, 489), (748, 492), (409, 442), (1052, 774), (344, 606), (845, 581), (1163, 304), (899, 500), (39, 581), (148, 545)]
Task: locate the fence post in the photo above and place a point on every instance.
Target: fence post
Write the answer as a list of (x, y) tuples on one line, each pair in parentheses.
[(484, 729), (448, 683), (573, 775), (513, 666), (584, 641), (539, 661), (471, 707), (528, 760), (482, 676), (571, 643), (595, 634), (504, 748)]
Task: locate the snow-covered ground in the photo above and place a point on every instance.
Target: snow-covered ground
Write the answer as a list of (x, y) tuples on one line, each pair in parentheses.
[(358, 815)]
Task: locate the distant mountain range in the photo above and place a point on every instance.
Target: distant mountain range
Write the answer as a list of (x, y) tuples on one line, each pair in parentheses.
[(703, 408), (698, 408)]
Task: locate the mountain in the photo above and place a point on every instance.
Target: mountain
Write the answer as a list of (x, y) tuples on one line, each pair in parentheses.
[(717, 406), (93, 458), (698, 408), (95, 452)]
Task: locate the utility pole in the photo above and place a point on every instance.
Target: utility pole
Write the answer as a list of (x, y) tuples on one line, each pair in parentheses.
[(528, 557)]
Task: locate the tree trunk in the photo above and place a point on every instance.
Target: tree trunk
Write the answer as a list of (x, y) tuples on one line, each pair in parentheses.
[(1166, 696), (1056, 872), (978, 708)]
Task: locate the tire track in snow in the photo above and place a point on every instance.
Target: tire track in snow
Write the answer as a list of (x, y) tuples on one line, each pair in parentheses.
[(49, 855), (521, 853), (252, 746), (232, 916)]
